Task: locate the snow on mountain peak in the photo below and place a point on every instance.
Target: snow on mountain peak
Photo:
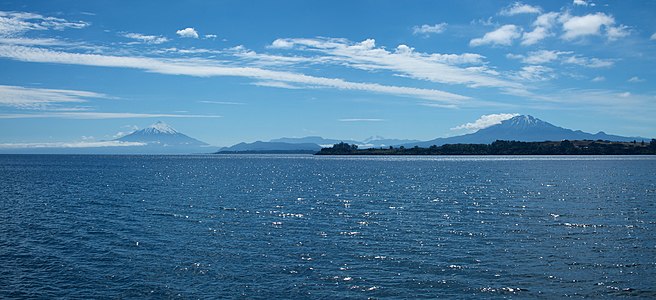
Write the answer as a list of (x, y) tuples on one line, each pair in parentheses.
[(161, 127), (158, 128), (524, 121)]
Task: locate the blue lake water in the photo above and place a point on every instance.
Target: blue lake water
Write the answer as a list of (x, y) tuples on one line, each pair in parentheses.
[(327, 227)]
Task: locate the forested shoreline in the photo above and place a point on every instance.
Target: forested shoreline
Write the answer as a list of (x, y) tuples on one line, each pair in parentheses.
[(566, 147)]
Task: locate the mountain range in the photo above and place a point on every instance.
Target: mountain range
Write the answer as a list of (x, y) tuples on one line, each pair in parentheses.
[(161, 138), (524, 128)]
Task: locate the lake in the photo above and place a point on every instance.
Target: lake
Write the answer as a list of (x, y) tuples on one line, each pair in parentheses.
[(301, 226)]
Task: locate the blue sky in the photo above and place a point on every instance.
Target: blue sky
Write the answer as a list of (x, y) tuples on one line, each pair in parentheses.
[(231, 71)]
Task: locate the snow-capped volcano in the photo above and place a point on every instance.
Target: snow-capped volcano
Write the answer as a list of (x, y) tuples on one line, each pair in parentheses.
[(159, 127), (161, 134), (523, 128)]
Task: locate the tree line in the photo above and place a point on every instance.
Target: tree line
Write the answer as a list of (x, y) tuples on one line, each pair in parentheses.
[(499, 147)]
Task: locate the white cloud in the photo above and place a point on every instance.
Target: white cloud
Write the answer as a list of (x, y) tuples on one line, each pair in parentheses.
[(617, 32), (210, 36), (535, 73), (429, 29), (16, 23), (188, 32), (283, 44), (403, 60), (653, 37), (361, 120), (437, 105), (591, 24), (533, 37), (565, 57), (99, 115), (263, 60), (32, 41), (589, 62), (485, 121), (503, 35), (276, 84), (539, 57), (520, 8), (146, 39), (601, 99), (635, 79), (542, 29), (221, 102), (188, 51), (37, 98), (131, 129), (208, 68), (83, 144), (580, 3), (599, 79)]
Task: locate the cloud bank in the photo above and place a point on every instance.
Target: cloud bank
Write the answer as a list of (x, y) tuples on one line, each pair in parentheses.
[(485, 121)]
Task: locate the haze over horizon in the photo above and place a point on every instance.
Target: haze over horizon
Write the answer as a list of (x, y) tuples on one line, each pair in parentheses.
[(232, 71)]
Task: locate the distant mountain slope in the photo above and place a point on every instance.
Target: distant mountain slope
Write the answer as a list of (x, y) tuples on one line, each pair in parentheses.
[(271, 146), (378, 142), (161, 134), (375, 141), (523, 128), (312, 140)]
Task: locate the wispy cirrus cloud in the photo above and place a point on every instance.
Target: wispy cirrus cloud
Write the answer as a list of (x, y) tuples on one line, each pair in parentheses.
[(360, 120), (535, 73), (221, 102), (429, 29), (14, 27), (589, 62), (99, 115), (539, 57), (33, 41), (403, 60), (210, 68), (14, 23), (564, 57), (146, 39), (82, 144), (39, 98)]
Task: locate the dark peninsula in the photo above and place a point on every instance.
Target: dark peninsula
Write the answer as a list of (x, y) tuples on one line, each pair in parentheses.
[(566, 147)]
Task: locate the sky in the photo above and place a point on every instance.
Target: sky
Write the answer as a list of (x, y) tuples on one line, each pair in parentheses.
[(86, 72)]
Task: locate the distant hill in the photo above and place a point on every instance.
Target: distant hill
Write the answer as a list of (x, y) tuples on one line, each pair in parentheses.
[(312, 140), (375, 141), (523, 128), (272, 147), (378, 141)]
